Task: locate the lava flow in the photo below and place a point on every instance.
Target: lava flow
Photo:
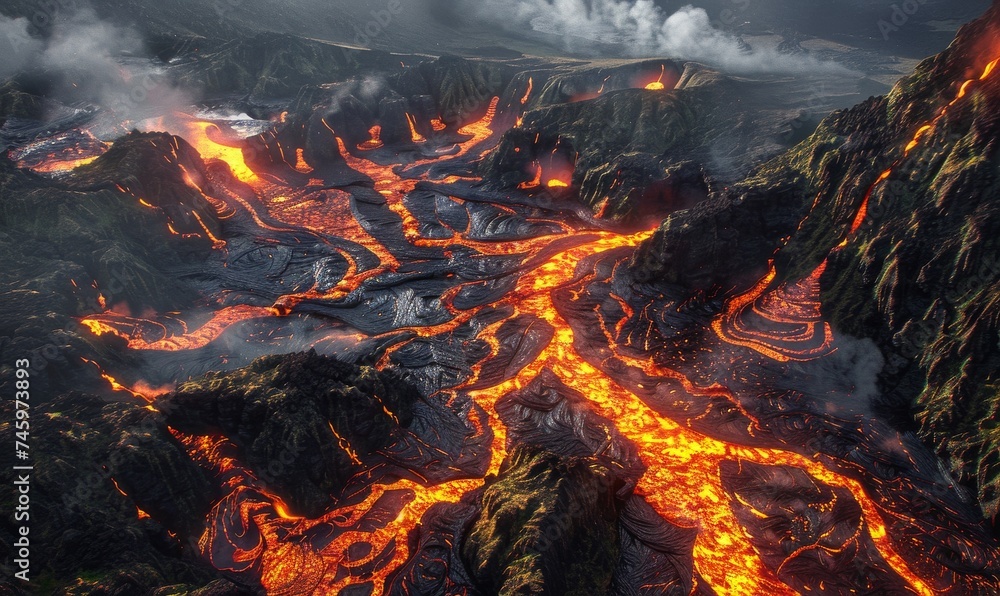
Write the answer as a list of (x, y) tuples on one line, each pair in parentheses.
[(363, 540)]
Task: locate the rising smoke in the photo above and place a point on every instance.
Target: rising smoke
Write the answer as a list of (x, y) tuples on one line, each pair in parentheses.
[(84, 59), (642, 29), (16, 45)]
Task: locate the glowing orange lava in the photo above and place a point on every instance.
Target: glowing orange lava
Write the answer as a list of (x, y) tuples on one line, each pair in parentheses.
[(199, 135), (56, 164), (658, 85), (414, 135), (527, 94), (375, 142), (784, 324)]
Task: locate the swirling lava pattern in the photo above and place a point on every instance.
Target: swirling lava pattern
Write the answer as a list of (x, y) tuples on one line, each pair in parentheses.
[(784, 324)]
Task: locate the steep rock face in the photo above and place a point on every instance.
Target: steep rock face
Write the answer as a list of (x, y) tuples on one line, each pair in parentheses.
[(319, 416), (116, 504), (899, 197), (548, 526), (921, 276)]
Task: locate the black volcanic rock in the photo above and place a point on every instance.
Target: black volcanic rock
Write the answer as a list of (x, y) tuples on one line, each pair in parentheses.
[(116, 505), (319, 417), (161, 169), (632, 153), (548, 526), (580, 139), (724, 242)]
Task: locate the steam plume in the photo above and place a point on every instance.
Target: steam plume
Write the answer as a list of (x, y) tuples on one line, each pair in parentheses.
[(644, 30), (86, 59)]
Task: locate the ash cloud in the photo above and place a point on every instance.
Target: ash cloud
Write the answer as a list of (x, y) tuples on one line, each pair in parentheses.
[(16, 45), (85, 59), (644, 30)]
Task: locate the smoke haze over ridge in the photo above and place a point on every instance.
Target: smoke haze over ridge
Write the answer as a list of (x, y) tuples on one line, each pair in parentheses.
[(645, 30)]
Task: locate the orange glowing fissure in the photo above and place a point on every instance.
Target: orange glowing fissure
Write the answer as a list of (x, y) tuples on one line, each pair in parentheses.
[(682, 482), (913, 144)]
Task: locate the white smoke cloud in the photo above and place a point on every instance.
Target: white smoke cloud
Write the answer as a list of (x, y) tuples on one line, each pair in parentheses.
[(85, 44), (91, 60), (17, 46), (644, 30)]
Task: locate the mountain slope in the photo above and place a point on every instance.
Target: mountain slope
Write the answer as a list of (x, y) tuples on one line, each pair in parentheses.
[(897, 200)]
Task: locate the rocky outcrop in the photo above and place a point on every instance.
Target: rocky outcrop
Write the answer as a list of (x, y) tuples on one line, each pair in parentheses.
[(634, 152), (724, 242), (319, 417), (548, 526), (78, 245)]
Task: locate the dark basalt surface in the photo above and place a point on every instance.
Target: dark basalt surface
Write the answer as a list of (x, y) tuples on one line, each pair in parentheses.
[(724, 242)]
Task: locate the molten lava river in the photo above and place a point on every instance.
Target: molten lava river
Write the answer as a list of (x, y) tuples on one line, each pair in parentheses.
[(748, 470)]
